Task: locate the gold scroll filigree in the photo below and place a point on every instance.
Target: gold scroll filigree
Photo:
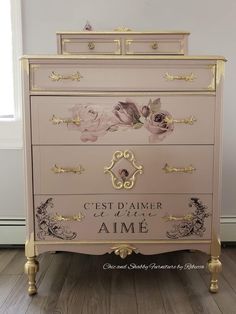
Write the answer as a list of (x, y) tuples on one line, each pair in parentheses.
[(129, 182), (123, 250)]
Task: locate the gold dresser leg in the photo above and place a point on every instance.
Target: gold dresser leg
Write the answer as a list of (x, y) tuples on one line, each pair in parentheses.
[(215, 267), (31, 268)]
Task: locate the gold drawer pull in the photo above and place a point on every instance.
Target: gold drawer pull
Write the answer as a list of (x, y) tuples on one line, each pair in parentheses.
[(190, 120), (55, 77), (187, 78), (59, 217), (169, 169), (123, 179), (187, 217), (57, 169), (56, 120), (91, 45), (154, 45)]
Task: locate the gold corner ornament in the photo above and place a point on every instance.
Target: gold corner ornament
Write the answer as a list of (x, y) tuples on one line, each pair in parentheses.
[(76, 170), (187, 78), (55, 77), (169, 169), (220, 70), (57, 121), (123, 250), (125, 183)]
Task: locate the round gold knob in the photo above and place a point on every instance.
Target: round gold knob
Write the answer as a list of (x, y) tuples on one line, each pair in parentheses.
[(154, 45), (91, 45)]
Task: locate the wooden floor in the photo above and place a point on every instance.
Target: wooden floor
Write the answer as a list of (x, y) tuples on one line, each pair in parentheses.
[(77, 284)]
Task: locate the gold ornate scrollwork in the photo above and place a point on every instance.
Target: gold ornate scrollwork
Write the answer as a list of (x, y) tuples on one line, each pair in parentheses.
[(126, 183), (187, 217), (123, 250), (122, 29), (169, 169), (77, 170), (56, 120), (188, 78), (55, 77), (59, 217), (190, 120)]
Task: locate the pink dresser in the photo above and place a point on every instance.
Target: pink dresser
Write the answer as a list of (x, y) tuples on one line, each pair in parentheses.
[(123, 154)]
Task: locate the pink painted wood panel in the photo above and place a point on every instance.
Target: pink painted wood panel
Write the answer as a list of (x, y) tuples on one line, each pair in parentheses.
[(123, 217), (153, 46), (122, 75), (114, 120), (93, 160), (91, 46)]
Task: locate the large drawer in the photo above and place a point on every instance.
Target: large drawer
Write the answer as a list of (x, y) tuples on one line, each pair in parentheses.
[(122, 169), (122, 75), (123, 119), (118, 217)]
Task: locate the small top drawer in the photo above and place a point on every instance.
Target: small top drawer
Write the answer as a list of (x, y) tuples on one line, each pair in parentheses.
[(154, 45), (91, 46), (125, 43)]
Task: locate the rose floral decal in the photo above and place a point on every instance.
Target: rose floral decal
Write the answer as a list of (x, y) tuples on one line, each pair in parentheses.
[(95, 122)]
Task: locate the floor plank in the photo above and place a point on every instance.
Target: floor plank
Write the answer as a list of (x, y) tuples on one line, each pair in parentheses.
[(72, 295), (49, 288), (122, 294), (97, 291), (200, 299), (225, 298), (6, 255)]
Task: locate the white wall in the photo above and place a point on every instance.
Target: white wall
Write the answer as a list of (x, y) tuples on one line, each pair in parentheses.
[(212, 24)]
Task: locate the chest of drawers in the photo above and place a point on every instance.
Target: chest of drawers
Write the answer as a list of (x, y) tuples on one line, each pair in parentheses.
[(123, 155), (122, 43)]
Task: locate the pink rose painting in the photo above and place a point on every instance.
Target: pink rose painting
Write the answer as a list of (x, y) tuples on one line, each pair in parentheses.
[(94, 122)]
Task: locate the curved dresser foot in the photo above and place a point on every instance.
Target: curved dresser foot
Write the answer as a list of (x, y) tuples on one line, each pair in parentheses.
[(215, 267), (31, 268)]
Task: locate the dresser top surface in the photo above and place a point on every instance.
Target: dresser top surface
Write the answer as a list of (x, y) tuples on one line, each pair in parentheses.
[(121, 57), (123, 32)]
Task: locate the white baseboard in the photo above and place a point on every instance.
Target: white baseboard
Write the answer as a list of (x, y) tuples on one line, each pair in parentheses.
[(228, 228), (13, 230)]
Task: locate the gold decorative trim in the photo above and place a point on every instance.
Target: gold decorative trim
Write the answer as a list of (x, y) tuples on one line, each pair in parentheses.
[(29, 246), (161, 32), (187, 78), (25, 65), (190, 120), (126, 183), (59, 217), (123, 57), (123, 29), (124, 242), (187, 217), (212, 85), (55, 77), (76, 170), (57, 121), (123, 250), (220, 71), (169, 169)]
